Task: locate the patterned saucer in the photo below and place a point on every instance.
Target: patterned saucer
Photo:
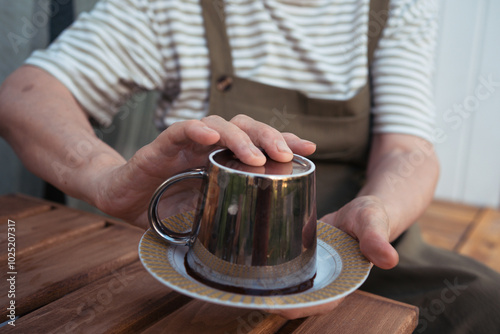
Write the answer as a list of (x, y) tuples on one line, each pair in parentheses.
[(341, 269)]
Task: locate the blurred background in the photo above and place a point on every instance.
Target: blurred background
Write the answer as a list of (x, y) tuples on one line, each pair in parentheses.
[(466, 85)]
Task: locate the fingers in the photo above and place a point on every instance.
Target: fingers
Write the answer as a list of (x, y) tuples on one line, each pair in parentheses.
[(185, 133), (375, 245), (237, 140), (278, 146), (182, 145), (242, 135), (299, 146), (266, 137), (372, 229), (365, 219)]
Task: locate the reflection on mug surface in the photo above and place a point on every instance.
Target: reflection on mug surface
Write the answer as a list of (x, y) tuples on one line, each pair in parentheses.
[(256, 226)]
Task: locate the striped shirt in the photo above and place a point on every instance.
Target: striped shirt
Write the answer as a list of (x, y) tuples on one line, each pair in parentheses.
[(317, 47)]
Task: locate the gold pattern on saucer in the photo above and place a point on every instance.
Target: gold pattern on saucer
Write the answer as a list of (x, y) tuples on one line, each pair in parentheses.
[(341, 269), (252, 272)]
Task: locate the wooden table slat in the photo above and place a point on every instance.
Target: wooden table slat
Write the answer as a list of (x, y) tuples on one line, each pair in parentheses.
[(445, 224), (483, 241), (61, 268), (19, 206), (39, 231), (125, 301), (362, 312), (199, 317), (453, 210), (271, 324)]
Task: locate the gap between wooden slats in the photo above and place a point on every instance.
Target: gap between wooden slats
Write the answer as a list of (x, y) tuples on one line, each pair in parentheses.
[(483, 240), (20, 206), (384, 316), (445, 224), (35, 232)]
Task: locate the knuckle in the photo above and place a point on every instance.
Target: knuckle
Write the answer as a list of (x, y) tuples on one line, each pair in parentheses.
[(289, 135), (191, 122), (371, 213), (211, 118), (268, 133), (187, 125), (240, 118)]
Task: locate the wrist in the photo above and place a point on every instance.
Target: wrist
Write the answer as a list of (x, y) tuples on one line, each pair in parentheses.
[(92, 178)]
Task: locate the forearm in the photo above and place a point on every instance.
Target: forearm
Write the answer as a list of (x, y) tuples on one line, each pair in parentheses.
[(402, 172), (51, 134), (71, 157)]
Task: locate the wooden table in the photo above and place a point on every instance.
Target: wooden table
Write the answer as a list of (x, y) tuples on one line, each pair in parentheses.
[(76, 272), (465, 229)]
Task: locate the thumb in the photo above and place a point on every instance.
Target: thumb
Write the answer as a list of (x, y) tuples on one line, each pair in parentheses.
[(374, 244)]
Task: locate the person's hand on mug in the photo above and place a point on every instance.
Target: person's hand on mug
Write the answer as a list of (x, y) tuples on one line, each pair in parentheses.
[(125, 190)]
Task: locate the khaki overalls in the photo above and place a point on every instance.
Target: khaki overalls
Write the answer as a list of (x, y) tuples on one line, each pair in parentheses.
[(441, 283)]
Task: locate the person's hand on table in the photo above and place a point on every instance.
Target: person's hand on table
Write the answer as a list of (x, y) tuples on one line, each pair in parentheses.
[(125, 190)]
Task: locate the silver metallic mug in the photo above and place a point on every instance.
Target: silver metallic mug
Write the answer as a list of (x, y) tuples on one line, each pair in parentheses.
[(255, 227)]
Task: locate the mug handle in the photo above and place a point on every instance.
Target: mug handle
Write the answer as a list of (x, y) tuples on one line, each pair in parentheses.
[(176, 238)]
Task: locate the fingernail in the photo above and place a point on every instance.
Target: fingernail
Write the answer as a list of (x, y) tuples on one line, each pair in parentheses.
[(283, 147), (308, 142)]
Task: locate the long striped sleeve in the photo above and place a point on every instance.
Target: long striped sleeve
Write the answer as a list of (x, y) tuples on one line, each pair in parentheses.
[(106, 56), (403, 68)]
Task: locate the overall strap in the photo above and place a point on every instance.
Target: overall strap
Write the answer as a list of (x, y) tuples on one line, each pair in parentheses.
[(379, 13), (216, 36)]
